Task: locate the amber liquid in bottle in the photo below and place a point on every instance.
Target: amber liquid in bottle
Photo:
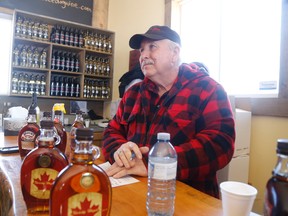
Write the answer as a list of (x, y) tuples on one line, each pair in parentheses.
[(276, 195), (39, 169), (28, 134), (78, 123), (277, 190), (60, 131), (82, 188)]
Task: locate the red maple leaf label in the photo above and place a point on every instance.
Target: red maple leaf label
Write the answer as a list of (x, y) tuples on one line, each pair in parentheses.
[(44, 183), (85, 209)]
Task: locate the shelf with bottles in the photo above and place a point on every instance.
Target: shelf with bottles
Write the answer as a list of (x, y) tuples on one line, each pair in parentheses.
[(98, 42), (88, 38), (63, 35), (30, 55), (31, 28), (95, 41), (66, 60), (67, 45), (96, 89), (25, 82), (65, 86), (97, 65)]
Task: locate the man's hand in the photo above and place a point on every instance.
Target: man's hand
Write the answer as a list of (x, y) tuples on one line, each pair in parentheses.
[(123, 155), (138, 167)]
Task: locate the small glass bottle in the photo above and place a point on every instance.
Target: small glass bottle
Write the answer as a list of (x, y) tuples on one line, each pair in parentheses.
[(14, 83), (77, 87), (78, 123), (82, 188), (276, 195), (61, 107), (43, 59), (29, 57), (16, 56), (23, 57), (57, 34), (18, 26), (34, 105), (39, 169), (59, 126), (43, 85), (28, 134), (162, 169), (36, 56)]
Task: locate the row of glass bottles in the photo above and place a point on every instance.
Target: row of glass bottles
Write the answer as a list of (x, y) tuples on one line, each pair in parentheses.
[(67, 61), (98, 42), (24, 83), (61, 34), (65, 86), (97, 66), (30, 29), (29, 56), (96, 89), (67, 36), (48, 183), (28, 135)]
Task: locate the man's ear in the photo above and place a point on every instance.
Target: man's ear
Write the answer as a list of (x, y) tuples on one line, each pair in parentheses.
[(176, 53)]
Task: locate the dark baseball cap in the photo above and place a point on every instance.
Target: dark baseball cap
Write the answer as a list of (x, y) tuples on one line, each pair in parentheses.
[(155, 33)]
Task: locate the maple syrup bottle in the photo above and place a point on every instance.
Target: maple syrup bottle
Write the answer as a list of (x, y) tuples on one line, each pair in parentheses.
[(40, 168), (28, 134), (82, 188), (78, 123), (58, 124), (276, 194)]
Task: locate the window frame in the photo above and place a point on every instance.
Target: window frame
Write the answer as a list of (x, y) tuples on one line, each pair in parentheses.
[(8, 17), (259, 105), (8, 12)]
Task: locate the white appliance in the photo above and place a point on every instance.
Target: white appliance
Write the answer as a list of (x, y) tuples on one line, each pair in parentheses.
[(238, 168)]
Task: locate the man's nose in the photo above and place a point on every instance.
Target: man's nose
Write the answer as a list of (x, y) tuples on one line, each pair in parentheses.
[(144, 54)]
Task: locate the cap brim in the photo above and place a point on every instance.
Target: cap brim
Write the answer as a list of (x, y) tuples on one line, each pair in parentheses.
[(135, 40)]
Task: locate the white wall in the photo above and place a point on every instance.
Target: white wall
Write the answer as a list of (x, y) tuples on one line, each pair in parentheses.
[(126, 18)]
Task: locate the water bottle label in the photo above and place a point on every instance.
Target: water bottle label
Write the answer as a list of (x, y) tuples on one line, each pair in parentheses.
[(163, 171)]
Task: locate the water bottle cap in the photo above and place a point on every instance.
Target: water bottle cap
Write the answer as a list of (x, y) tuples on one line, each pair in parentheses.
[(163, 136)]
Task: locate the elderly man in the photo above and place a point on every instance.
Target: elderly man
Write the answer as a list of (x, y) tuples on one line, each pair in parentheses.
[(176, 98)]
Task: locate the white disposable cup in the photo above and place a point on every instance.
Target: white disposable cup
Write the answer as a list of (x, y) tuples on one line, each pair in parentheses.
[(237, 198)]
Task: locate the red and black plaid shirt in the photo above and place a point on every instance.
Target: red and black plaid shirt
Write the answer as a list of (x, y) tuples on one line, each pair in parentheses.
[(195, 111)]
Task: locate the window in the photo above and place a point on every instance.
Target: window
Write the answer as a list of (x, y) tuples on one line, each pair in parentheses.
[(238, 40), (5, 52)]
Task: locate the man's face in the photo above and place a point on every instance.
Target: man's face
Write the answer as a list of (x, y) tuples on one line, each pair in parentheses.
[(155, 58)]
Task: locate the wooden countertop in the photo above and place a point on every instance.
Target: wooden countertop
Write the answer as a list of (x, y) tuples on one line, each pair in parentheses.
[(126, 200)]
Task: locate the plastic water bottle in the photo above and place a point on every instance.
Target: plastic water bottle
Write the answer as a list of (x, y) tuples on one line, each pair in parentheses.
[(162, 168)]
